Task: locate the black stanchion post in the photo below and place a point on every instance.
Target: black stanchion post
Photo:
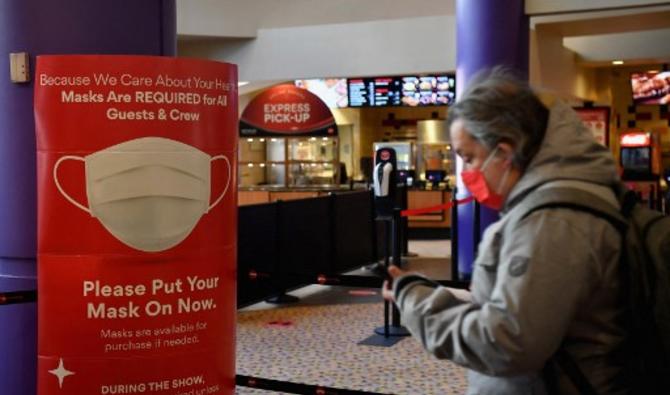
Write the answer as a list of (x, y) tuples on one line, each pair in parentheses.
[(397, 247), (387, 254), (393, 240), (454, 234), (386, 208)]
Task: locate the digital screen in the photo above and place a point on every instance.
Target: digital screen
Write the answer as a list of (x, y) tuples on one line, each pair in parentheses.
[(411, 91), (374, 92), (428, 90), (651, 87), (636, 159), (333, 91)]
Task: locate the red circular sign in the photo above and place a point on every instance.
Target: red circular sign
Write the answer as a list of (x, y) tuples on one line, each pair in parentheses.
[(287, 109)]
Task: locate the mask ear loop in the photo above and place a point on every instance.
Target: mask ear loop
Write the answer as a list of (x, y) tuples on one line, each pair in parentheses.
[(491, 156), (227, 182), (503, 180), (60, 188)]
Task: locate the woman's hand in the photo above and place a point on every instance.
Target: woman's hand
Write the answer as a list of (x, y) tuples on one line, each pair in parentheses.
[(387, 289)]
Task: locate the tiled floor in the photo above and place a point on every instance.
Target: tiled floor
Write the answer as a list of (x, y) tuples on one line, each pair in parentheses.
[(315, 341)]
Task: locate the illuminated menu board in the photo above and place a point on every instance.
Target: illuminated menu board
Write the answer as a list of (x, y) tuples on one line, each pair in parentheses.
[(358, 93), (374, 92), (428, 90), (385, 91), (412, 91)]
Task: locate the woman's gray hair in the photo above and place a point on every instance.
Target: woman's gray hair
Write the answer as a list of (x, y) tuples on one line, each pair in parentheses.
[(497, 106)]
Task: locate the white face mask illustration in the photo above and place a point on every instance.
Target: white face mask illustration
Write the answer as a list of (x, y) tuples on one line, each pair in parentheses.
[(149, 192)]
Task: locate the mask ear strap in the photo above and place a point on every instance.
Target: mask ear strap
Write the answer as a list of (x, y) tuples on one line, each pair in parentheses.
[(491, 156), (227, 181), (504, 179), (60, 188)]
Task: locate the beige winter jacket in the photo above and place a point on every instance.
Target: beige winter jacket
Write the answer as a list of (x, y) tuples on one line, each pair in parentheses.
[(538, 282)]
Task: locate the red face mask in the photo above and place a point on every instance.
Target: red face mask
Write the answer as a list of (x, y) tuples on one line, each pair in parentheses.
[(475, 181)]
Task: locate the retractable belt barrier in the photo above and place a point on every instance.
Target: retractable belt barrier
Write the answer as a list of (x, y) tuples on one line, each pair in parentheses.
[(439, 207), (16, 297), (346, 280), (296, 388)]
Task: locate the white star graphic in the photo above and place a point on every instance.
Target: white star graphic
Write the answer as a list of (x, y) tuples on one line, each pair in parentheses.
[(61, 372)]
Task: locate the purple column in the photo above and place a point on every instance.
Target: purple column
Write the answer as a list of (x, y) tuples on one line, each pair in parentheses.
[(488, 33), (146, 27)]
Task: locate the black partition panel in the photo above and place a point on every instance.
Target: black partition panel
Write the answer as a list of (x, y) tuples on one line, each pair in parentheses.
[(354, 229), (288, 241), (305, 236), (257, 248)]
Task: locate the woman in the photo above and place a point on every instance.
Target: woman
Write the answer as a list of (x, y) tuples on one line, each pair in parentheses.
[(541, 282)]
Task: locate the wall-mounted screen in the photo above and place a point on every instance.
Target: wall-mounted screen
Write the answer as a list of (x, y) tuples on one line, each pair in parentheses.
[(636, 159), (411, 91), (333, 91), (651, 87), (428, 90), (374, 92)]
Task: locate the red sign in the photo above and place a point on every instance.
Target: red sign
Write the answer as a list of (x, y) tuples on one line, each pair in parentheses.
[(287, 110), (635, 140), (136, 225)]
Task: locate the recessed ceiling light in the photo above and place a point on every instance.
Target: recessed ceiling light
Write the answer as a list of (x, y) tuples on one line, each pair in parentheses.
[(242, 83), (617, 62)]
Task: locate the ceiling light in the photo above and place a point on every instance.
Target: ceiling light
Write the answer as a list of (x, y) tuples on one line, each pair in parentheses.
[(617, 62), (242, 83)]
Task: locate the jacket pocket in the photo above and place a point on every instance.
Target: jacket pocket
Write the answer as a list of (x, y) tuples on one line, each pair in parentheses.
[(489, 251), (486, 267), (489, 266)]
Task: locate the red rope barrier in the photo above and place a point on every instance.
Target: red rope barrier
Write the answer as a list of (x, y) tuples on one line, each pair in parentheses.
[(440, 207)]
